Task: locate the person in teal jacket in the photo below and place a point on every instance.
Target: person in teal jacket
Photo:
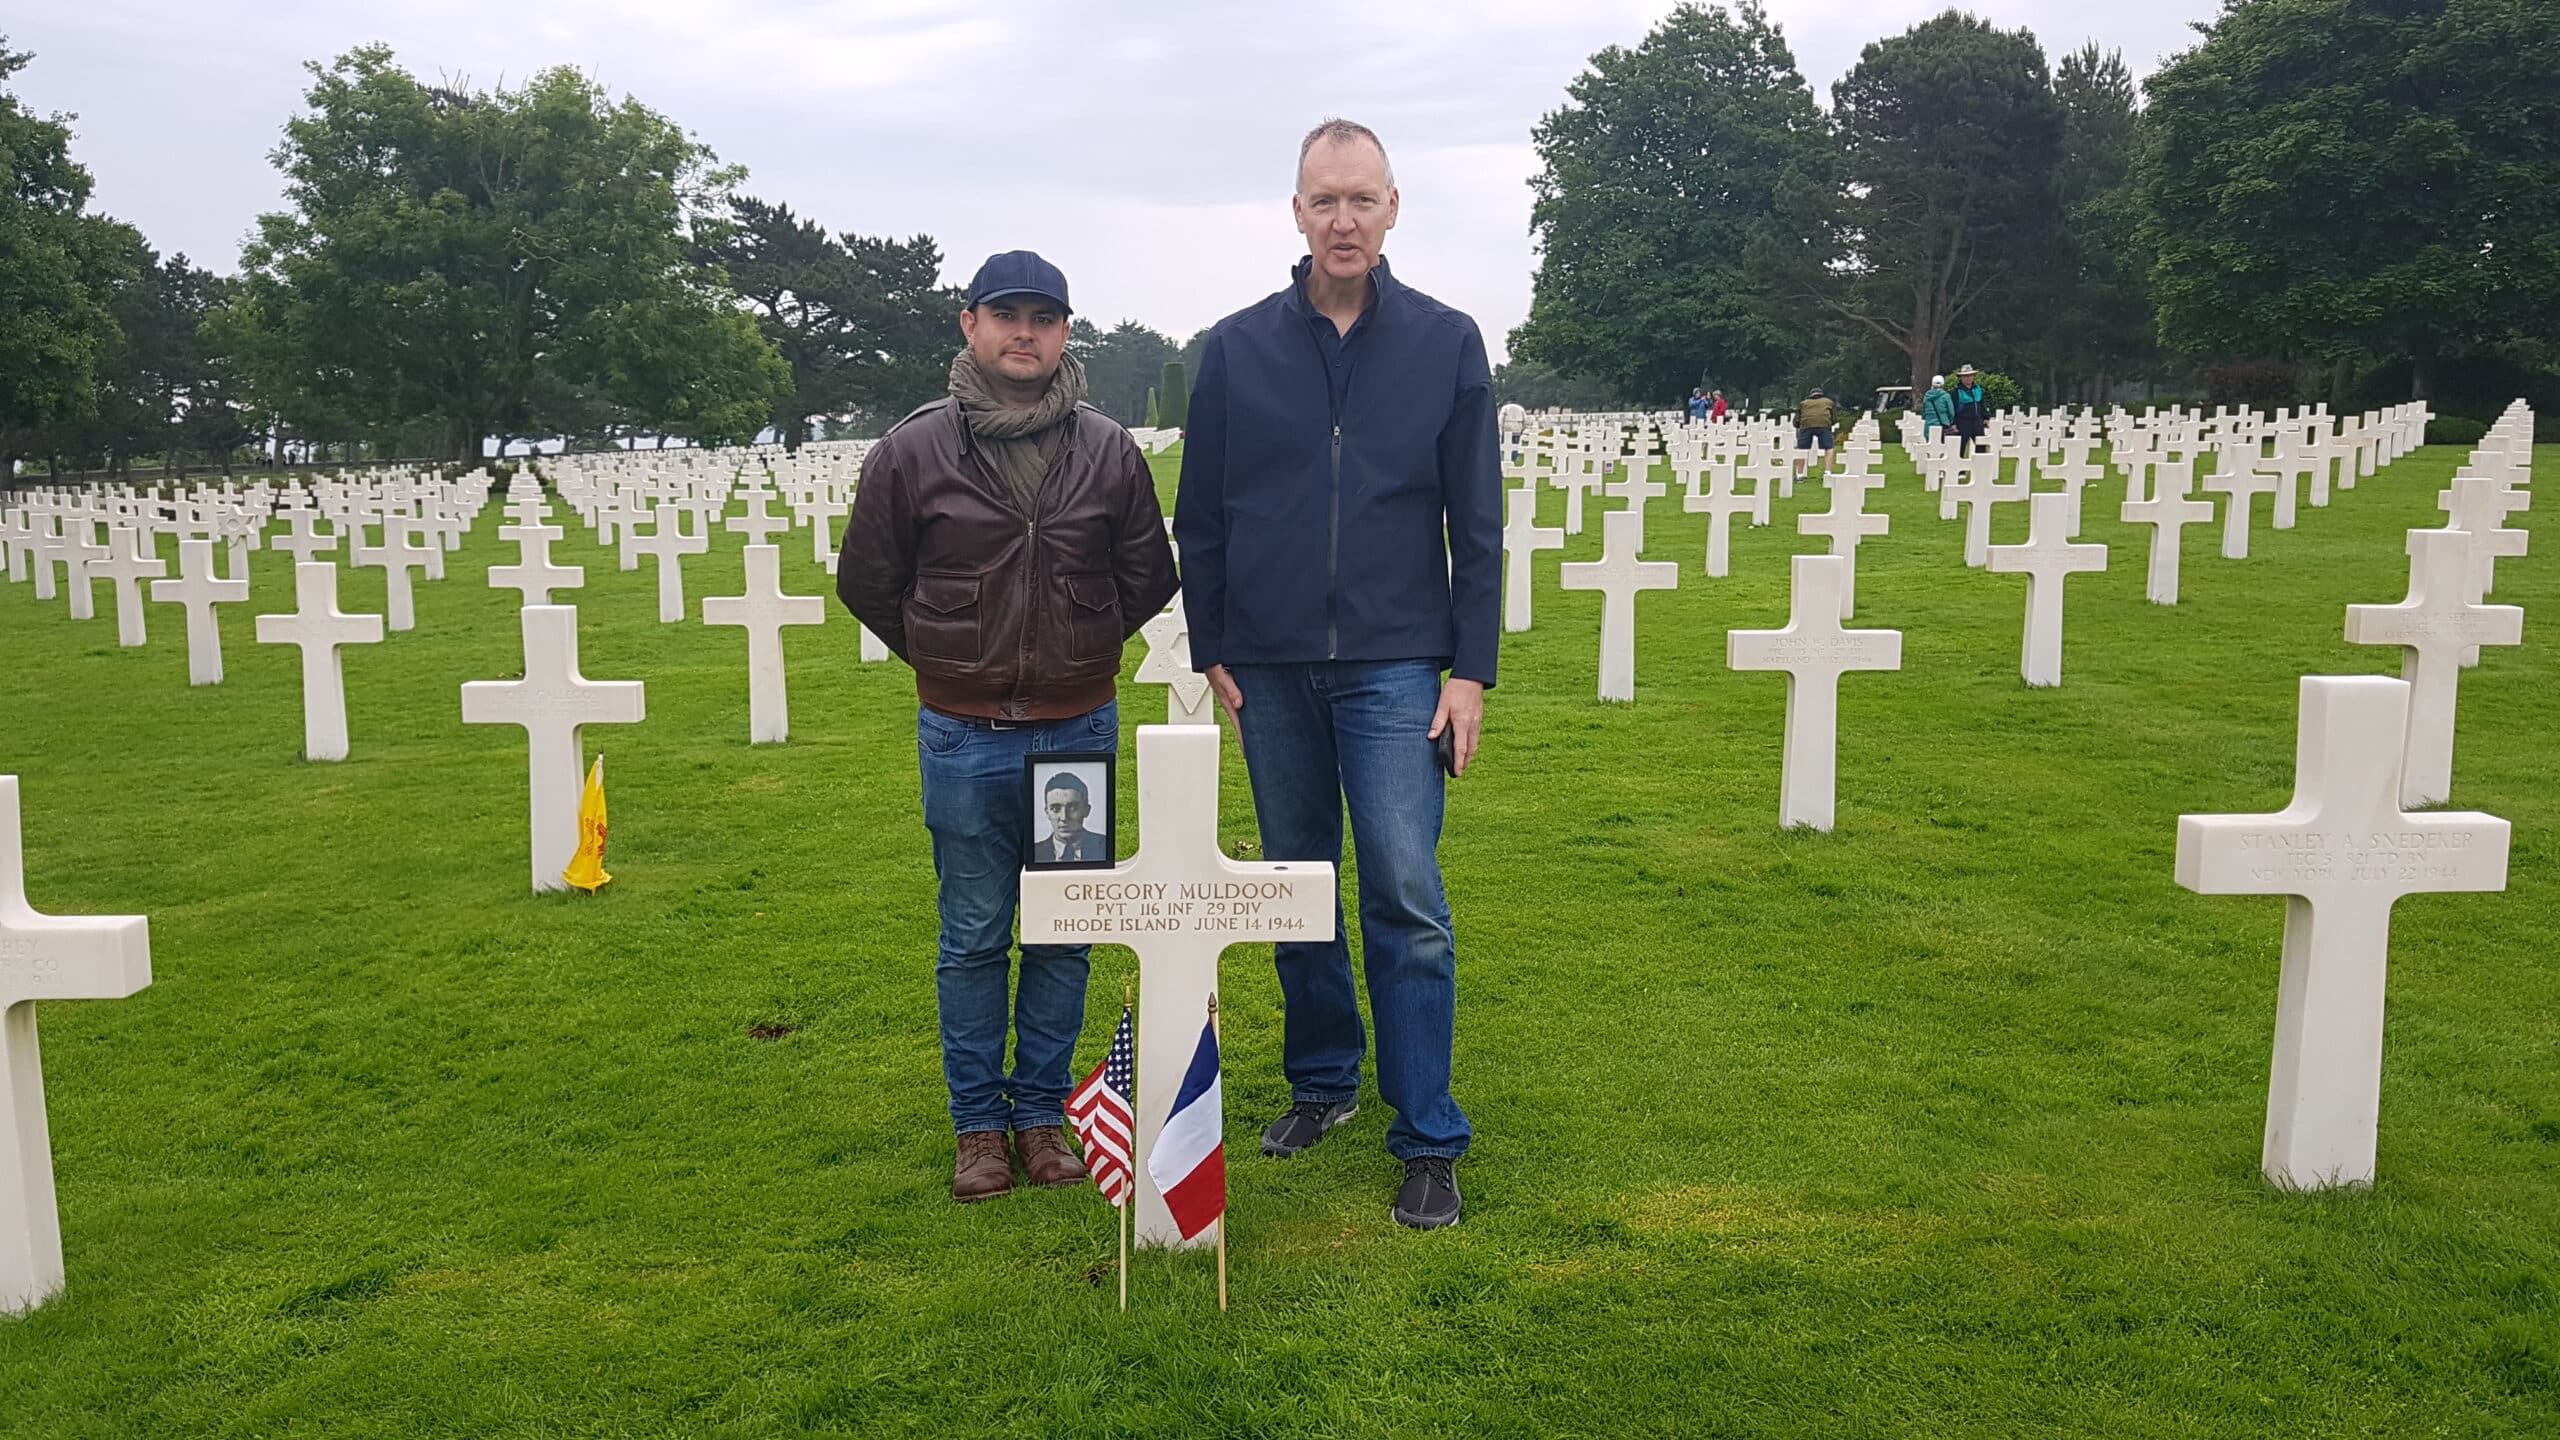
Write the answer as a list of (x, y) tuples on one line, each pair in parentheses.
[(1937, 408), (1973, 410)]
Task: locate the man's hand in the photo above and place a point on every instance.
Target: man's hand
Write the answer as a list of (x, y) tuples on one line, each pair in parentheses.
[(1462, 706), (1230, 699)]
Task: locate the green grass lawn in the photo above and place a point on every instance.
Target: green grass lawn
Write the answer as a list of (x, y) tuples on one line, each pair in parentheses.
[(1946, 1124)]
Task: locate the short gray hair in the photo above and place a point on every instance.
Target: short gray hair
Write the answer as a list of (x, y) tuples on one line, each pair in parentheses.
[(1335, 130)]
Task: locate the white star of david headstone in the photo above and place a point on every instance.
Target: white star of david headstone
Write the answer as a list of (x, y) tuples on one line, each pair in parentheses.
[(1168, 663)]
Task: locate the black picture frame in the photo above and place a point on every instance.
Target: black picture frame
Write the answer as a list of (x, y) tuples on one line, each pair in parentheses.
[(1095, 773)]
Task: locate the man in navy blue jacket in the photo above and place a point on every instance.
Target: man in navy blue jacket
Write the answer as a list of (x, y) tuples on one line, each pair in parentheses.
[(1340, 519)]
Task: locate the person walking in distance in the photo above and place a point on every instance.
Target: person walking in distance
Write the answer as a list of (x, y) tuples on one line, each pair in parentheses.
[(1972, 413), (1937, 409)]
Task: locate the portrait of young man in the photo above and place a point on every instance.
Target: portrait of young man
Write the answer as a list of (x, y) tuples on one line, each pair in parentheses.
[(1340, 517), (1005, 542)]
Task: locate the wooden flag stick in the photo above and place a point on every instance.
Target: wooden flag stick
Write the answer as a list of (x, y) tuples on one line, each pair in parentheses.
[(1222, 1208), (1128, 1207)]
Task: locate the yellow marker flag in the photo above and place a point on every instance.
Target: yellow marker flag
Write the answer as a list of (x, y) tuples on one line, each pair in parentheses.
[(586, 868)]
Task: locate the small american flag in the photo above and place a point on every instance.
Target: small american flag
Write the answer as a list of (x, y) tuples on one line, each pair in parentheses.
[(1100, 1109)]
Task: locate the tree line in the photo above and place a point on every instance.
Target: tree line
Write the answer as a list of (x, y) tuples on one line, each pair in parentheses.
[(456, 267), (2320, 199)]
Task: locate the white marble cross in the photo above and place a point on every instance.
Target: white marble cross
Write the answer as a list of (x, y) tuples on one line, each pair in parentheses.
[(552, 702), (1179, 902), (1618, 575), (1637, 487), (197, 589), (1722, 502), (1577, 484), (2343, 852), (763, 611), (2479, 506), (667, 543), (534, 573), (1847, 523), (1522, 538), (1814, 651), (2075, 471), (319, 628), (79, 552), (127, 567), (2047, 560), (43, 957), (303, 537), (18, 542), (2433, 627), (759, 524), (1982, 492), (2168, 511), (2241, 484), (1168, 663), (397, 557)]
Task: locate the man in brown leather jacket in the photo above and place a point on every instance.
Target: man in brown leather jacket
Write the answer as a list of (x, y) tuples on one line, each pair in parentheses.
[(1005, 542)]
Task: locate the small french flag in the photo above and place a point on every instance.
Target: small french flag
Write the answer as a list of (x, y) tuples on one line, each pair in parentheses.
[(1189, 1162)]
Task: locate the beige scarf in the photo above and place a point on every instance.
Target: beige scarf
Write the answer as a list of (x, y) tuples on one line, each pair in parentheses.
[(1021, 443)]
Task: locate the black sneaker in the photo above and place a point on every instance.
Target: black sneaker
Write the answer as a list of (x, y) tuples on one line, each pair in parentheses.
[(1304, 1125), (1428, 1199)]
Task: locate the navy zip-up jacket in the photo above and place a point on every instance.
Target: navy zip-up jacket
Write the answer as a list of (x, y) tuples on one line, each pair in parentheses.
[(1342, 495)]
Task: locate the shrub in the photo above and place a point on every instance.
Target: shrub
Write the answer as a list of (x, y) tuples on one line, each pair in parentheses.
[(2454, 430), (1999, 392), (2259, 384), (1173, 397)]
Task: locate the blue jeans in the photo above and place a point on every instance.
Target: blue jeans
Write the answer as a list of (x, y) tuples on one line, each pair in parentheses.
[(976, 807), (1315, 735)]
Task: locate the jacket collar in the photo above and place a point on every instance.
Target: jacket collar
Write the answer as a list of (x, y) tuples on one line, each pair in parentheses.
[(1383, 286)]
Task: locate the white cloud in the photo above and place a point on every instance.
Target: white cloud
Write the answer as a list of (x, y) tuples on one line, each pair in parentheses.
[(1146, 147)]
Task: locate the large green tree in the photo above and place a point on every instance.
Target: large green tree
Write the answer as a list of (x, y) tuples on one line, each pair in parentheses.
[(864, 322), (457, 256), (1952, 143), (59, 267), (160, 371), (1676, 180), (1121, 365), (2344, 179), (2101, 325)]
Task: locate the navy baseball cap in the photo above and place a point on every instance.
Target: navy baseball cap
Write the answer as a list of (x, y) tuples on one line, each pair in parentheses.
[(1018, 272)]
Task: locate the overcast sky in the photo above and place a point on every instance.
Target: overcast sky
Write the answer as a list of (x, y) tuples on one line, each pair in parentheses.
[(1148, 148)]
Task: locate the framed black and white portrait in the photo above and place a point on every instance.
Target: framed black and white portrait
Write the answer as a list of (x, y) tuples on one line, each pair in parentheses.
[(1069, 792)]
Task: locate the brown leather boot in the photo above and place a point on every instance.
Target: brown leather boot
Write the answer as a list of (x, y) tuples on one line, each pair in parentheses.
[(1047, 1157), (983, 1169)]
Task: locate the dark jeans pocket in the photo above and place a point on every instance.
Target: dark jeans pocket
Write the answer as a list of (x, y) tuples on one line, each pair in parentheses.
[(942, 618)]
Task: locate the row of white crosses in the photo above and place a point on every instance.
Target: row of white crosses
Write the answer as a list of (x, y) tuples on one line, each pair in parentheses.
[(2370, 751)]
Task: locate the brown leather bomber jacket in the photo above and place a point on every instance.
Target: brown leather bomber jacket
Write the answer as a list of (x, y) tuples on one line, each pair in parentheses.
[(1003, 615)]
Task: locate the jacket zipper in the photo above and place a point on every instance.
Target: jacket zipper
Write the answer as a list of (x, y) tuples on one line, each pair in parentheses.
[(1333, 559)]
